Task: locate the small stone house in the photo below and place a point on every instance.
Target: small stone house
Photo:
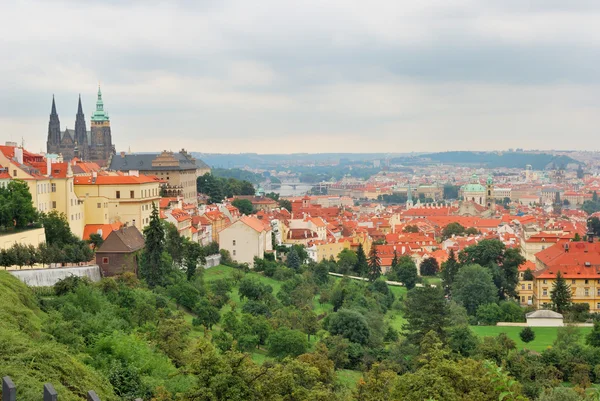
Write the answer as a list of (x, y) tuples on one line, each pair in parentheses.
[(544, 318), (119, 252)]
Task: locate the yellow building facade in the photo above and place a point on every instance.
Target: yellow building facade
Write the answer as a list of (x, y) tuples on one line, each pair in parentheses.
[(127, 199)]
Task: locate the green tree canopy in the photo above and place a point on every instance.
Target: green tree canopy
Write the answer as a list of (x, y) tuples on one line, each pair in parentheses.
[(429, 267), (473, 286), (425, 310), (244, 206)]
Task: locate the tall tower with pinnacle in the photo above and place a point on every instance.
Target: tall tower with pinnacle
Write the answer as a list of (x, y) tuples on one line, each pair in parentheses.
[(53, 141), (101, 147), (489, 191), (81, 138), (409, 200)]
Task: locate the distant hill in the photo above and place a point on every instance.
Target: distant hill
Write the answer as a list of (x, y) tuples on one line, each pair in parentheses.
[(538, 161)]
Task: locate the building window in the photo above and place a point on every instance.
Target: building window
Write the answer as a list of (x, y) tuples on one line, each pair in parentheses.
[(14, 173), (586, 281), (234, 252), (545, 281), (104, 260), (587, 292), (572, 281), (53, 204), (545, 292), (131, 194), (118, 195), (522, 286), (99, 205), (528, 286), (233, 242), (53, 187)]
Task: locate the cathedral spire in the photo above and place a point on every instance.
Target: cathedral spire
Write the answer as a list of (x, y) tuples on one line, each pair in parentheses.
[(53, 111), (79, 108), (100, 115)]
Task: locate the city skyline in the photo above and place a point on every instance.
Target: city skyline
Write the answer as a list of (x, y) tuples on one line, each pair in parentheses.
[(275, 78)]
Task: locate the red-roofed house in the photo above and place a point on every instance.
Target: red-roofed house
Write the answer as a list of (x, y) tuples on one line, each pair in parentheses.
[(246, 239), (579, 264)]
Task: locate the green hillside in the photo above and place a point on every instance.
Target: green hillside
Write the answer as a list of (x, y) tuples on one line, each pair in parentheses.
[(32, 359), (538, 161)]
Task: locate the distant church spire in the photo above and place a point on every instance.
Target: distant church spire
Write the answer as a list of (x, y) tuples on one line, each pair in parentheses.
[(53, 112), (409, 200), (53, 139), (81, 132)]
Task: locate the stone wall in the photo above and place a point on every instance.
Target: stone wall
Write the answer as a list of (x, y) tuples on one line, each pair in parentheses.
[(49, 277)]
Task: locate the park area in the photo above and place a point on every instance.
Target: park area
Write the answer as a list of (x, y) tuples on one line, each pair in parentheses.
[(544, 336)]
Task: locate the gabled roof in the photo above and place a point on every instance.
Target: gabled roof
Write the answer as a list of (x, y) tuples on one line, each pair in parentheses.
[(124, 240)]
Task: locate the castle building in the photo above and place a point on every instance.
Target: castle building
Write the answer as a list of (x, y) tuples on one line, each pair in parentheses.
[(94, 145)]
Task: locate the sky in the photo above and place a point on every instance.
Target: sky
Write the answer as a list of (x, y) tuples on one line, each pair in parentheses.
[(280, 76)]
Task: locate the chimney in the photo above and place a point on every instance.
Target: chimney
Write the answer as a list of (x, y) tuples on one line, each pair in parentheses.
[(19, 155), (48, 166), (590, 236), (567, 247)]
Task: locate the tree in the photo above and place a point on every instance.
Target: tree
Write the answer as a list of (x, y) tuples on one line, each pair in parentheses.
[(449, 269), (593, 338), (425, 310), (474, 286), (411, 229), (576, 237), (580, 172), (429, 267), (56, 228), (361, 267), (96, 240), (346, 261), (452, 229), (154, 264), (285, 204), (349, 324), (593, 225), (293, 260), (395, 260), (527, 335), (253, 289), (451, 191), (206, 314), (16, 205), (528, 275), (560, 294), (286, 342), (406, 272), (193, 255), (374, 264), (244, 206), (174, 245)]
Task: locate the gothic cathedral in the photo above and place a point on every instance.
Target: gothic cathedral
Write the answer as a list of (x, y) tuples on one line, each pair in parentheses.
[(94, 145)]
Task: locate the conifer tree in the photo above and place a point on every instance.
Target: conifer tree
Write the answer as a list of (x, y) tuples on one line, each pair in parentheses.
[(395, 260), (560, 294), (361, 265), (449, 269), (374, 264), (154, 267), (293, 260)]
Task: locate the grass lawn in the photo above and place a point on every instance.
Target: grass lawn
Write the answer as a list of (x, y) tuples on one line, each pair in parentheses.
[(544, 336)]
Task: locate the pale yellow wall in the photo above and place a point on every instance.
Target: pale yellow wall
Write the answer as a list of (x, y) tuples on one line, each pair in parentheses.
[(185, 178), (326, 251), (33, 237), (248, 242), (578, 292), (125, 208)]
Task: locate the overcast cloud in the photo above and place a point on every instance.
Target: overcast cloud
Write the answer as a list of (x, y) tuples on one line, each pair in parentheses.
[(276, 76)]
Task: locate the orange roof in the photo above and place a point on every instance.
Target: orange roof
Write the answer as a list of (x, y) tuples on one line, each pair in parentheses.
[(95, 228), (253, 223), (112, 180)]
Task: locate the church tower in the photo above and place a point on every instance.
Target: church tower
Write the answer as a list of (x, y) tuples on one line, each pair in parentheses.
[(81, 133), (53, 142), (101, 147), (409, 200), (489, 191)]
